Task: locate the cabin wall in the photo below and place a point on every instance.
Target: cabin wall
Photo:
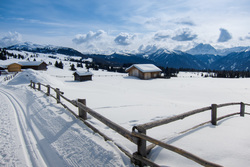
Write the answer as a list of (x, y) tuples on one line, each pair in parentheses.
[(134, 72), (14, 68), (83, 78), (42, 66), (147, 75)]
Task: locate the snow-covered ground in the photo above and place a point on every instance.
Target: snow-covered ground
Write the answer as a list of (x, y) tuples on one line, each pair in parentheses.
[(35, 131)]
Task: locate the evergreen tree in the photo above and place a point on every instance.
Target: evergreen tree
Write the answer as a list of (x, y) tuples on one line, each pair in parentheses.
[(96, 67), (3, 56), (87, 66), (56, 64), (60, 65), (72, 67)]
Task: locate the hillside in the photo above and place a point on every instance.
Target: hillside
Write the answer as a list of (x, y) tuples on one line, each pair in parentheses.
[(237, 61), (176, 59), (56, 137), (46, 49)]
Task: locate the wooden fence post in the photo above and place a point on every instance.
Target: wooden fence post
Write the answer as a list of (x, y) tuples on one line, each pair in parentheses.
[(82, 113), (141, 146), (214, 114), (39, 86), (58, 95), (242, 109), (48, 90), (34, 85)]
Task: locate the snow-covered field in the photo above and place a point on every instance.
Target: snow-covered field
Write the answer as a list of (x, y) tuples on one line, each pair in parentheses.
[(35, 131)]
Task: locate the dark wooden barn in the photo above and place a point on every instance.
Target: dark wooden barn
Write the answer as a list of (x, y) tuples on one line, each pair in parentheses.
[(35, 65), (83, 76)]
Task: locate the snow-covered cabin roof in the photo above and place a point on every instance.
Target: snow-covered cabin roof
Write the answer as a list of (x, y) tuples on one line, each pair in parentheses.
[(145, 68), (83, 73), (30, 63)]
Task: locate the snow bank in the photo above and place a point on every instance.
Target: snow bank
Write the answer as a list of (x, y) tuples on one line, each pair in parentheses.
[(27, 75), (51, 135)]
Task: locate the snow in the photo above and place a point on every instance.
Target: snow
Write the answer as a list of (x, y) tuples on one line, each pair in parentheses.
[(30, 63), (145, 67), (83, 73), (36, 131), (51, 136)]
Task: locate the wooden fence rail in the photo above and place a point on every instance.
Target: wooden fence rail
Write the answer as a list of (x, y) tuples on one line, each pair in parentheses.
[(141, 129), (8, 77), (138, 135)]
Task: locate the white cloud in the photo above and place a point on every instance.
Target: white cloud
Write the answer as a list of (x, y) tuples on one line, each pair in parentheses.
[(187, 21), (162, 35), (10, 39), (152, 20), (245, 38), (90, 36), (102, 42), (148, 48), (124, 39), (184, 34), (224, 35)]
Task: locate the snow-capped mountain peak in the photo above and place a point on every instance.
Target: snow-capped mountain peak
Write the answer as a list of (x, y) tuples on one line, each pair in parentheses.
[(202, 49)]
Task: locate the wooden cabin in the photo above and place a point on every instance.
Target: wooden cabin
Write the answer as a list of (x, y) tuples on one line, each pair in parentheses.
[(144, 71), (83, 76), (14, 67), (35, 65)]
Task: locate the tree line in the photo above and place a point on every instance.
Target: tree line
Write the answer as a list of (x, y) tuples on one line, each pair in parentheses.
[(59, 65), (4, 55), (167, 72), (210, 73), (232, 74)]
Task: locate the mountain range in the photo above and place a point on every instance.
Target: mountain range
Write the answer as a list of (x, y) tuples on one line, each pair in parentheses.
[(202, 56)]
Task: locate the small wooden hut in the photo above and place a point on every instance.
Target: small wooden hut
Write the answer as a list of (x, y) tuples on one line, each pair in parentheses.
[(144, 71), (14, 67), (83, 75)]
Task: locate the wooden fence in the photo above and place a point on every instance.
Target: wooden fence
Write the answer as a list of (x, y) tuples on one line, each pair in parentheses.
[(138, 135), (121, 75), (8, 77), (95, 75)]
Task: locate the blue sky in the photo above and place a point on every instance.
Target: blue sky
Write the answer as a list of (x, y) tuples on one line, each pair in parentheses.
[(125, 25)]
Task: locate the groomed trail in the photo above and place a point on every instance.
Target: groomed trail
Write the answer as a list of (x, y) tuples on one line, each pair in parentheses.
[(13, 146), (35, 131)]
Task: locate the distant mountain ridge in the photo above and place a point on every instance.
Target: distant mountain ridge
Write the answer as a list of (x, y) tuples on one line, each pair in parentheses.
[(46, 49), (236, 61), (202, 56), (208, 49), (175, 59), (202, 49)]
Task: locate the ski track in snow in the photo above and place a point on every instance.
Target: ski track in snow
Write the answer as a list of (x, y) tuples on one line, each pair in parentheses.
[(49, 135), (26, 138), (10, 149)]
